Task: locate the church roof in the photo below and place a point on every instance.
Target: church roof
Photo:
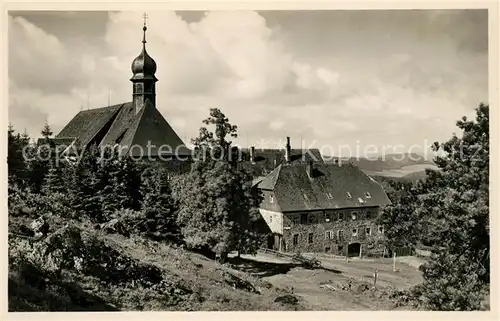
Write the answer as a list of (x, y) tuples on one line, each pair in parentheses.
[(147, 127), (119, 124), (87, 123)]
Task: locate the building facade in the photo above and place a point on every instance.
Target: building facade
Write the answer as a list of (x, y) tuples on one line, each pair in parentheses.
[(318, 207)]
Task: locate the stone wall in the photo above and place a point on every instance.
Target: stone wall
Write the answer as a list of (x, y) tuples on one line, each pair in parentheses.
[(319, 231)]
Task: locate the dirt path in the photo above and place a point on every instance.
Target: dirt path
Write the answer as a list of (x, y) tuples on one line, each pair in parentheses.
[(338, 273)]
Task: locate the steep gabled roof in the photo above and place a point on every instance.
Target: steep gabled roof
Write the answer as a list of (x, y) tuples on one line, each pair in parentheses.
[(330, 187), (154, 129), (269, 181), (87, 124), (147, 127), (121, 124)]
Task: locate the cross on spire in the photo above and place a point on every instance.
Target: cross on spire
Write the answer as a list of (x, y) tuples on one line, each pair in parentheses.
[(145, 17)]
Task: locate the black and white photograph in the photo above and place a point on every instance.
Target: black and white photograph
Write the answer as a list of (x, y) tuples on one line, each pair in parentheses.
[(249, 160)]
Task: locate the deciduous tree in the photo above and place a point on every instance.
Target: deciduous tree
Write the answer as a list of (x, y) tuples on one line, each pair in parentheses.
[(216, 205)]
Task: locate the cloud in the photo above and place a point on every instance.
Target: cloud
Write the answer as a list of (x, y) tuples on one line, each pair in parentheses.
[(329, 81), (29, 50)]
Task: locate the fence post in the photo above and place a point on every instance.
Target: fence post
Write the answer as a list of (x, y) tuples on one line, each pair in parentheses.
[(347, 252), (360, 251), (394, 261), (375, 275)]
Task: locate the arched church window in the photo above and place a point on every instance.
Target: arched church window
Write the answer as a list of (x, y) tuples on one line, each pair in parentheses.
[(139, 88)]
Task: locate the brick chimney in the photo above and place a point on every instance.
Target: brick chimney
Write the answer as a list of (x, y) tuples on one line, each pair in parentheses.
[(288, 151), (252, 154)]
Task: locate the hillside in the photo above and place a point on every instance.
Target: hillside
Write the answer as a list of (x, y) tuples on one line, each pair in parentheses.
[(95, 270)]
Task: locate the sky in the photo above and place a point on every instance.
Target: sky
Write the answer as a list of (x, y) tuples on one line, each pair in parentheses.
[(368, 80)]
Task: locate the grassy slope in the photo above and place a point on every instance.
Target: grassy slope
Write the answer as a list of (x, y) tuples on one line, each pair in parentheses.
[(196, 283), (205, 281), (201, 284)]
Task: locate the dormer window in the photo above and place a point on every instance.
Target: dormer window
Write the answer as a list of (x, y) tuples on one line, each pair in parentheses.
[(119, 139), (360, 200), (368, 195), (349, 195), (329, 196)]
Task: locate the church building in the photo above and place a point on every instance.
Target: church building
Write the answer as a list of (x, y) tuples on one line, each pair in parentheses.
[(136, 127)]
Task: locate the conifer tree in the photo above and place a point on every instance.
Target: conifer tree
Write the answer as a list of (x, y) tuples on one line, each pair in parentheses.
[(85, 185), (455, 201), (46, 132), (54, 180), (449, 210), (41, 159), (105, 173), (127, 183), (16, 162), (158, 205)]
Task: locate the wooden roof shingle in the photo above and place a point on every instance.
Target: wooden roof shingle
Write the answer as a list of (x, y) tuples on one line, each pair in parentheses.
[(87, 123)]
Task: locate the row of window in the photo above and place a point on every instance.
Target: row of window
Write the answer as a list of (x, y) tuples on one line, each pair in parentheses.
[(329, 235), (313, 218), (329, 196)]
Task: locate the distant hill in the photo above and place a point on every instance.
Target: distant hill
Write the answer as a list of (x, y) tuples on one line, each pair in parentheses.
[(411, 177), (392, 165), (414, 176)]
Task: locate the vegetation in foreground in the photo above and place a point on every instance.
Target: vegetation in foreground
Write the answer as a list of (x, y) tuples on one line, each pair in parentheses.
[(448, 211), (119, 235)]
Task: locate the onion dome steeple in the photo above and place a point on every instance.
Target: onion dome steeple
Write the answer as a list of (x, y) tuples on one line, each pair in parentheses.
[(144, 79), (144, 66)]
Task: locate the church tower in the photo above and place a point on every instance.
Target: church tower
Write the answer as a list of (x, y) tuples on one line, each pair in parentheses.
[(143, 80)]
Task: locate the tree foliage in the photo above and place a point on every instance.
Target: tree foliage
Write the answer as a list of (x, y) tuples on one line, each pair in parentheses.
[(457, 205), (216, 202), (215, 144), (16, 162), (101, 184), (158, 207), (40, 159), (402, 227), (449, 210)]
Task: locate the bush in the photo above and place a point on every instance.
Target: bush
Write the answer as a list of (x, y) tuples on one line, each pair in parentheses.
[(33, 205)]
